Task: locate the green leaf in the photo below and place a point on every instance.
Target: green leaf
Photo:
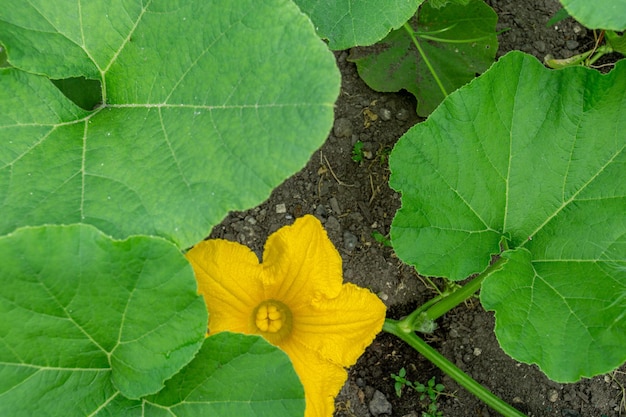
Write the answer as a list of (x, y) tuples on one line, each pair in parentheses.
[(438, 4), (535, 156), (557, 17), (348, 23), (569, 313), (458, 40), (617, 42), (232, 375), (85, 318), (599, 14), (207, 106), (235, 375)]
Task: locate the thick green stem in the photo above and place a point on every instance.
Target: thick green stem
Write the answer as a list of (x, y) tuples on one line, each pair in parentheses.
[(399, 329), (411, 33), (463, 293)]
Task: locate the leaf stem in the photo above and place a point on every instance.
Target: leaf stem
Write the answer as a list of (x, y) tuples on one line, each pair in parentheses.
[(411, 33), (448, 302), (398, 329)]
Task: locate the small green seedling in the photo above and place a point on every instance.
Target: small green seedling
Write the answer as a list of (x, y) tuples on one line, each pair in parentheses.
[(429, 392), (357, 151), (382, 239)]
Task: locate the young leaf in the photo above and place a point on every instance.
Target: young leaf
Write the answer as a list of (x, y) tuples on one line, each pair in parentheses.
[(599, 14), (535, 156), (86, 319), (348, 23), (207, 106), (458, 40)]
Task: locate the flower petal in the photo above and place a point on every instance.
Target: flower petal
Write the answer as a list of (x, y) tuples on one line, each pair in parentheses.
[(321, 380), (228, 276), (339, 329), (300, 264)]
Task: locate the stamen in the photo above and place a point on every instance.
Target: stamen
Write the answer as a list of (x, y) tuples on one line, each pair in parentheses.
[(272, 319)]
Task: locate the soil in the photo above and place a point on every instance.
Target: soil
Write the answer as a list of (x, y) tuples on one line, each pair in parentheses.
[(353, 201)]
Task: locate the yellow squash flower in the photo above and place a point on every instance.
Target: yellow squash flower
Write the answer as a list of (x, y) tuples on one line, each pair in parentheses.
[(296, 299)]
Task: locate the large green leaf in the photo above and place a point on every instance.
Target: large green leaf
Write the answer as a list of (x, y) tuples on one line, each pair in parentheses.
[(598, 14), (348, 23), (459, 42), (84, 318), (207, 105), (537, 157)]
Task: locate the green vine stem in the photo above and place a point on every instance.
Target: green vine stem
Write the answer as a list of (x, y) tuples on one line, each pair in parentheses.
[(462, 293), (423, 318), (411, 33), (405, 333)]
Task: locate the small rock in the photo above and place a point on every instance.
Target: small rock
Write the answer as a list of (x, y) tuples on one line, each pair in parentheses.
[(385, 114), (320, 212), (342, 128), (402, 115), (571, 44), (553, 396), (349, 240), (379, 404), (281, 208), (332, 224), (334, 205), (566, 412)]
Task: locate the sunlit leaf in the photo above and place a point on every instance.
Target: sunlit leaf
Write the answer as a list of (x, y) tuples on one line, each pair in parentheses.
[(599, 14), (86, 319), (535, 156), (207, 106)]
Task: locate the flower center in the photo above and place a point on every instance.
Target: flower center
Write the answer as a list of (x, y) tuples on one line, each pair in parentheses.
[(272, 320)]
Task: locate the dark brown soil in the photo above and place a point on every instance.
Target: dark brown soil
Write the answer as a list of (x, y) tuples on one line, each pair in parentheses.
[(353, 200)]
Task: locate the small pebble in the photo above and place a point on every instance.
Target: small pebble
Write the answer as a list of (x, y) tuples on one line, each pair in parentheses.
[(281, 208), (553, 396), (334, 205), (332, 224), (379, 404), (571, 44), (402, 115), (349, 240), (342, 128), (385, 114), (320, 212)]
